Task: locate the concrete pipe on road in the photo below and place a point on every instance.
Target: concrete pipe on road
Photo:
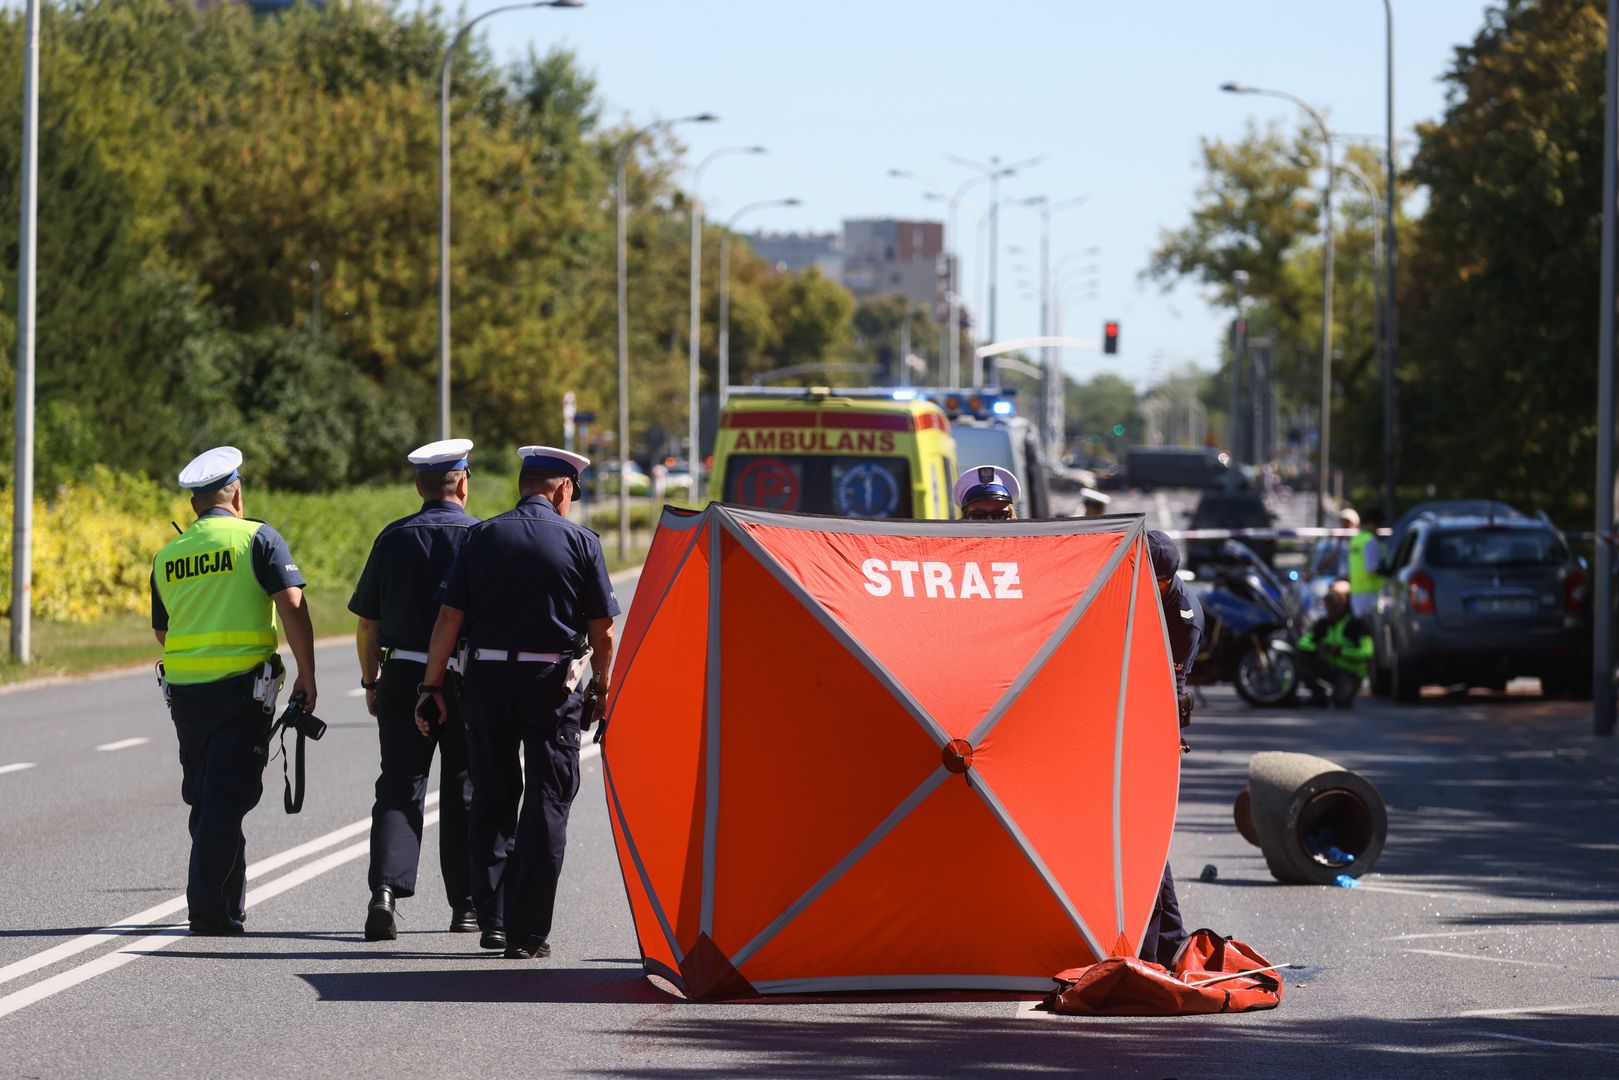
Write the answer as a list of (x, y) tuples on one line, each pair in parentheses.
[(1314, 819)]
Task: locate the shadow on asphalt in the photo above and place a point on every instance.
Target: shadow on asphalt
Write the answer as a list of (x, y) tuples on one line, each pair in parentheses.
[(524, 982), (1476, 799), (689, 1044)]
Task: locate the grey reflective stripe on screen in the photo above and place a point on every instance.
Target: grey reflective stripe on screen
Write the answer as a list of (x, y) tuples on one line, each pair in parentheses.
[(1119, 523), (985, 792), (837, 630), (1163, 628), (830, 878), (640, 868), (1118, 752), (711, 735), (1071, 620)]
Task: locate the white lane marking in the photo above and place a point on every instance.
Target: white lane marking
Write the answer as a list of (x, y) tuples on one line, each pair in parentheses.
[(1492, 959), (119, 957), (162, 911), (145, 946), (1548, 1042), (1451, 933), (1363, 887), (125, 744), (1526, 1010), (16, 767)]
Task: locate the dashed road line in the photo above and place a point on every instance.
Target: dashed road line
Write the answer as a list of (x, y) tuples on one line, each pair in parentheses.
[(1549, 1042), (1529, 1010), (125, 744), (1452, 933), (18, 766), (1491, 959)]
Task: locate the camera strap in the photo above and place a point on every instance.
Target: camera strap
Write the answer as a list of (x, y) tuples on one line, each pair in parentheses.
[(292, 795)]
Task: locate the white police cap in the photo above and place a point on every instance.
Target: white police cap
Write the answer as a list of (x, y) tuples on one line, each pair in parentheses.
[(986, 482), (211, 469), (441, 456), (551, 459), (1091, 495)]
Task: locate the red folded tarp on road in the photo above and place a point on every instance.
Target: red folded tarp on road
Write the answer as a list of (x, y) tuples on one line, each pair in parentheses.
[(1127, 986), (890, 755)]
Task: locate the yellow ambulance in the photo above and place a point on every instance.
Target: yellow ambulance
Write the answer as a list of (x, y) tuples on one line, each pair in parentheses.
[(854, 453)]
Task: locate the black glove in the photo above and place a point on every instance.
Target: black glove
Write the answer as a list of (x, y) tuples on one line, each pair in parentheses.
[(1183, 702)]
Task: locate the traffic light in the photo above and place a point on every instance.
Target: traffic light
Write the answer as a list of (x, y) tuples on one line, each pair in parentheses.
[(1110, 337), (1118, 431)]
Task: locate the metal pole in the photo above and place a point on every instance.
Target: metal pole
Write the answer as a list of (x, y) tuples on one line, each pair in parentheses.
[(724, 372), (694, 457), (994, 254), (1239, 281), (1326, 332), (623, 360), (1391, 314), (314, 298), (953, 299), (1379, 323), (22, 520), (1602, 686)]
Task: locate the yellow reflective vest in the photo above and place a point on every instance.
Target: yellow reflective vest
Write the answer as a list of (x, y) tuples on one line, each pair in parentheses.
[(1362, 578), (221, 622)]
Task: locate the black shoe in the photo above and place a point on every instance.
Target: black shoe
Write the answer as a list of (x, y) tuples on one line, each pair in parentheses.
[(217, 926), (493, 938), (530, 950), (463, 920), (379, 917)]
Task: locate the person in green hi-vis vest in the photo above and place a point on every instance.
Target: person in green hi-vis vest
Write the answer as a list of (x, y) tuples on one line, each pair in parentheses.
[(217, 590), (1336, 651)]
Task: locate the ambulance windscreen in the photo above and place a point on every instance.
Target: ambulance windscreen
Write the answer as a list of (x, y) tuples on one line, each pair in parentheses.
[(845, 485)]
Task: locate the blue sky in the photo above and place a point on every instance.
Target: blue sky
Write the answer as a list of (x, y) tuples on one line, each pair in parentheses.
[(1114, 93)]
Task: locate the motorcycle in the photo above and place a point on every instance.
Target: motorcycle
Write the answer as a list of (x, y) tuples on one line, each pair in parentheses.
[(1248, 628)]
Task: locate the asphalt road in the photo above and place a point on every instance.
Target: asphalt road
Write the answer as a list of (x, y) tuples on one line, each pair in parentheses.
[(1484, 943)]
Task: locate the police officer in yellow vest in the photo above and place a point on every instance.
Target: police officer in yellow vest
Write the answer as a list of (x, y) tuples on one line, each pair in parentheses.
[(1335, 653), (1365, 555), (216, 591)]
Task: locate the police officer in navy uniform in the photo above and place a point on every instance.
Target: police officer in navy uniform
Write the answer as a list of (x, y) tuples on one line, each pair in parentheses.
[(216, 591), (524, 589), (1183, 616), (395, 607), (986, 493)]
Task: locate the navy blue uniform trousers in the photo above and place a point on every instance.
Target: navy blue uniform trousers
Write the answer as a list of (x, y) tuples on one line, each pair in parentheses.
[(407, 757), (517, 852), (224, 745), (1166, 931)]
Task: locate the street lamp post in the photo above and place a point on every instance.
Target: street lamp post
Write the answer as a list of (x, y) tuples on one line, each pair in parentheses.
[(725, 286), (994, 172), (622, 214), (1391, 257), (1239, 350), (444, 198), (693, 434), (22, 519), (1380, 336), (1054, 405), (953, 200), (1326, 288), (1602, 650)]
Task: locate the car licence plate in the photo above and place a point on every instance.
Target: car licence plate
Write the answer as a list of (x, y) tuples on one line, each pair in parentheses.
[(1503, 605)]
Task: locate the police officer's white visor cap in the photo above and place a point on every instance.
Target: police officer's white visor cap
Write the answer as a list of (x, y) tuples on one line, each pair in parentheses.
[(553, 459), (988, 477), (211, 469), (1349, 517), (443, 455), (1091, 495)]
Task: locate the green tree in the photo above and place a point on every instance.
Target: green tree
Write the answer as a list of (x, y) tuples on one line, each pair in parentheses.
[(1499, 301)]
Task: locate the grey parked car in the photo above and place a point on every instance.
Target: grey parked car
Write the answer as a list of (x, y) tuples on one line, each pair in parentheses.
[(1478, 601)]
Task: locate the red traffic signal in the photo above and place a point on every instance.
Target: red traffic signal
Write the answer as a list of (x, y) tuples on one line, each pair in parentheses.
[(1110, 337)]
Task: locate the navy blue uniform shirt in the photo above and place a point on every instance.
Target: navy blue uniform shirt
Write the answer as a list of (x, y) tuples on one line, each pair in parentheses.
[(409, 559), (272, 565), (528, 579), (1184, 617)]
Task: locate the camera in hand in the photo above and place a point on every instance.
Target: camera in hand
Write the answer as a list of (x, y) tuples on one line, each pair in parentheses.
[(304, 723)]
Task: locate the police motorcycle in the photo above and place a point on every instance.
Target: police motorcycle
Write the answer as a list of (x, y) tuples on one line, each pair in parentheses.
[(1249, 627)]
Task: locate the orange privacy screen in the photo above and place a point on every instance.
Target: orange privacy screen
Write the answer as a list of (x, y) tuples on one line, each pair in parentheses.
[(906, 756)]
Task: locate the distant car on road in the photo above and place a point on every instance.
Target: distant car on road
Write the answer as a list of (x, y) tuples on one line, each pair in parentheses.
[(1229, 510), (1149, 467), (1479, 600)]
